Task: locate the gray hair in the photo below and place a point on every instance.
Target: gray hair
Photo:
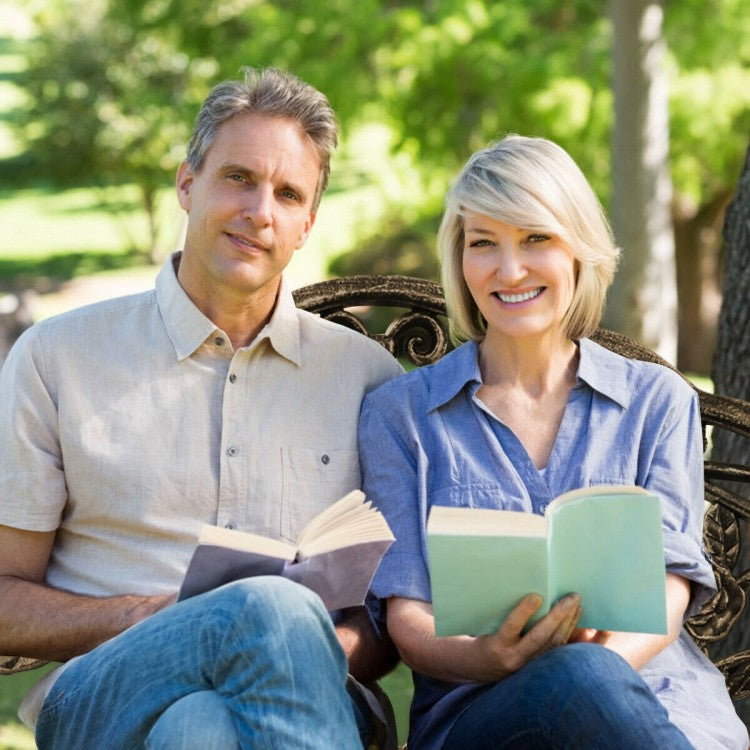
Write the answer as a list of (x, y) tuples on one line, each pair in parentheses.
[(274, 93), (531, 183)]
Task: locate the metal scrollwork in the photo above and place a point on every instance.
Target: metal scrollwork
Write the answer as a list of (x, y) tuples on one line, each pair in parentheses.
[(420, 333), (419, 337)]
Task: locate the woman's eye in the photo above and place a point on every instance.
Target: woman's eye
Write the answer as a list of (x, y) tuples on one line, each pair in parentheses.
[(537, 238), (479, 243)]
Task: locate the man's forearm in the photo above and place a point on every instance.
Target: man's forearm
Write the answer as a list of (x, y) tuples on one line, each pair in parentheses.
[(45, 623), (370, 657)]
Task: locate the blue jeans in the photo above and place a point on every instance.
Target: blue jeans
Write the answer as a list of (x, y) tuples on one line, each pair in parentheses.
[(579, 696), (253, 664)]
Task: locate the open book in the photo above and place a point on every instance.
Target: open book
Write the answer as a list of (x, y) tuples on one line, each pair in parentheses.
[(603, 542), (336, 554)]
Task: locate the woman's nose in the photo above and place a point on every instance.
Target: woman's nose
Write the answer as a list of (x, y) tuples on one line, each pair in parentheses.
[(510, 265)]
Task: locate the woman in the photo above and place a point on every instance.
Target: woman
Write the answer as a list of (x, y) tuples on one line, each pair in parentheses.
[(526, 409)]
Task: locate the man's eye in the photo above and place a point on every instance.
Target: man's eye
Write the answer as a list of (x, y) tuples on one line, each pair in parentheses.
[(290, 195), (238, 178)]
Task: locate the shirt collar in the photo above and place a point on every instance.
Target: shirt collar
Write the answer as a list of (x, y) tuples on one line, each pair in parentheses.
[(283, 329), (599, 368), (605, 371), (452, 373), (187, 327)]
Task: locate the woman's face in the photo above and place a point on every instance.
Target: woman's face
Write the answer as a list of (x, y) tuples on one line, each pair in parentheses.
[(522, 280)]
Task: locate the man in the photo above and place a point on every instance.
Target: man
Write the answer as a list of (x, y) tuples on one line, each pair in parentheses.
[(126, 425)]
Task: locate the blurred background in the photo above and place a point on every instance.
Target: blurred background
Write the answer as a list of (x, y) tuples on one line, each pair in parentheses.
[(652, 99)]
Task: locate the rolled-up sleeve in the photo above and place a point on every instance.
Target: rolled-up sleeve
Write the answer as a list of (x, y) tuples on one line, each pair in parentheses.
[(393, 479), (676, 475)]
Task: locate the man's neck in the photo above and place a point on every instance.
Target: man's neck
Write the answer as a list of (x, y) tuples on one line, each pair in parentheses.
[(241, 315)]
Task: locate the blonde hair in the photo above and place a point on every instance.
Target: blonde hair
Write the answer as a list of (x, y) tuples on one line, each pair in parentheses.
[(531, 183)]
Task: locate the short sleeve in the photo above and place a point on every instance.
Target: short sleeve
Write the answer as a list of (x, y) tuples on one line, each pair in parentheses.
[(32, 483)]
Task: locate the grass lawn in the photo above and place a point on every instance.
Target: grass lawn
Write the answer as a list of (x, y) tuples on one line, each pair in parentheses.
[(15, 736)]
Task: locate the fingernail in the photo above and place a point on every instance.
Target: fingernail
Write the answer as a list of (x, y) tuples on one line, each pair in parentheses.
[(571, 601)]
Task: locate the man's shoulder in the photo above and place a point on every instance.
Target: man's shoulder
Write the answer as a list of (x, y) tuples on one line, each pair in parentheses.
[(333, 339), (97, 313), (81, 328)]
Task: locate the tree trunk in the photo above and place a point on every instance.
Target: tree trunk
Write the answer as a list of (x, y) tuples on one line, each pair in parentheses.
[(731, 371), (698, 250), (643, 301)]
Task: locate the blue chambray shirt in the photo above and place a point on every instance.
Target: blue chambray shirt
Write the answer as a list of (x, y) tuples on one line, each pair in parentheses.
[(426, 439)]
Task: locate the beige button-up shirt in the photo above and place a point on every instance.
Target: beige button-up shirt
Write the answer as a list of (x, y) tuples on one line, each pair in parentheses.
[(129, 423)]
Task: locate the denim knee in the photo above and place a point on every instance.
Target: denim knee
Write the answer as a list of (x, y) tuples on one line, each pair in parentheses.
[(273, 595), (274, 606), (588, 662), (199, 721)]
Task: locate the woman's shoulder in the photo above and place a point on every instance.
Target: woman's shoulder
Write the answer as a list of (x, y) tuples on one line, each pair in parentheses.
[(637, 377), (417, 386)]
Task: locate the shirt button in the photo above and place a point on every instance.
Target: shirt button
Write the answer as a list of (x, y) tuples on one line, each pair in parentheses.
[(232, 378), (232, 450), (219, 341), (542, 507), (326, 459), (229, 525)]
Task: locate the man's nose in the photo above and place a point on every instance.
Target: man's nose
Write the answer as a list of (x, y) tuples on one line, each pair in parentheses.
[(258, 208)]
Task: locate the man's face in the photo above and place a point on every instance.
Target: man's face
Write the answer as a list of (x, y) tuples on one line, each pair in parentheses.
[(249, 208)]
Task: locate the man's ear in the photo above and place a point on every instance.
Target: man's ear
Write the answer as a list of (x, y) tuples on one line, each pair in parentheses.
[(306, 231), (183, 184)]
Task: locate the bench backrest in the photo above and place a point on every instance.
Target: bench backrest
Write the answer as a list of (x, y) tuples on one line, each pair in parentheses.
[(418, 332)]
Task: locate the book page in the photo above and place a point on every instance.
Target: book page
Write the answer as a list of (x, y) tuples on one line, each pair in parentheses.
[(598, 490), (246, 542), (351, 520), (484, 522)]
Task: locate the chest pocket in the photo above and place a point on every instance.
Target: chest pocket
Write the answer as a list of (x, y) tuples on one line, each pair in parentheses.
[(312, 479)]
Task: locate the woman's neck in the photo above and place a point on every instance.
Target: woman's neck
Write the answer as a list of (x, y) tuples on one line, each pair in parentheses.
[(536, 366)]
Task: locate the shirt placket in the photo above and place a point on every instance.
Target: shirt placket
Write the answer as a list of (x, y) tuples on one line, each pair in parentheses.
[(233, 444)]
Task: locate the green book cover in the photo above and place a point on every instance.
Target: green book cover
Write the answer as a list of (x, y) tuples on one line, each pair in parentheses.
[(603, 542)]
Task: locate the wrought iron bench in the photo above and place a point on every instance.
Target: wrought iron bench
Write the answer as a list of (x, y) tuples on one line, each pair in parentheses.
[(418, 333)]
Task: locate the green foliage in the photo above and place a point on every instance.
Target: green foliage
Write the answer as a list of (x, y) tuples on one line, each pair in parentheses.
[(398, 247), (111, 88), (710, 96)]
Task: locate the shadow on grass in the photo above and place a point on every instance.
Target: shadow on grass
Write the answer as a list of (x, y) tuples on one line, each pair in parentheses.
[(47, 273)]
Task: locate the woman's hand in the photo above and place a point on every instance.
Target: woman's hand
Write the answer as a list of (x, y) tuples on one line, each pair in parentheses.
[(486, 658), (508, 649)]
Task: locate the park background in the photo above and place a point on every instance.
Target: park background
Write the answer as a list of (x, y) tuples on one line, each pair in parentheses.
[(97, 100)]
